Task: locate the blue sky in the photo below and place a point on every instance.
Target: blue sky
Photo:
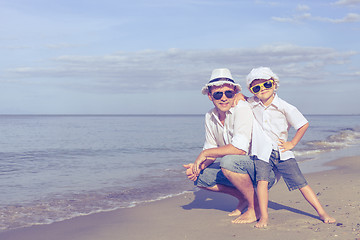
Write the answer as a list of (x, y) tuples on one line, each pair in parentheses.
[(153, 57)]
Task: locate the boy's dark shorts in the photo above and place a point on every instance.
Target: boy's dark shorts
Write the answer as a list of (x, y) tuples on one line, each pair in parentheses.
[(288, 169)]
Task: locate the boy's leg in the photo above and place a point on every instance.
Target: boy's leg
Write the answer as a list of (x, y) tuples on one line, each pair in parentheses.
[(294, 179), (310, 196), (262, 170), (263, 196)]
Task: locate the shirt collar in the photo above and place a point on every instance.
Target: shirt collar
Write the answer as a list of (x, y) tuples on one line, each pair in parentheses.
[(275, 102), (214, 113)]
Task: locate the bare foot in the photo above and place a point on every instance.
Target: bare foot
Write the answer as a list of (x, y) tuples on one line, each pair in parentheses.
[(327, 219), (240, 207), (248, 217), (262, 223), (235, 213)]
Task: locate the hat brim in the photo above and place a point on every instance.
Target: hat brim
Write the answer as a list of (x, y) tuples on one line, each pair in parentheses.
[(261, 73), (205, 89)]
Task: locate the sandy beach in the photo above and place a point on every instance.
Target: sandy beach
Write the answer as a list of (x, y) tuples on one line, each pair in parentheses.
[(203, 215)]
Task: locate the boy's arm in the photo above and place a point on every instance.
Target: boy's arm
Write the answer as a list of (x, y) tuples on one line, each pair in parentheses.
[(285, 146), (239, 97)]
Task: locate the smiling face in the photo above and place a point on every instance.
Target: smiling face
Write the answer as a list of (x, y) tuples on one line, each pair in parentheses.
[(266, 95), (224, 103)]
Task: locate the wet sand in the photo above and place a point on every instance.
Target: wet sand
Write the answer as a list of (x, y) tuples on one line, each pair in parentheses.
[(204, 215)]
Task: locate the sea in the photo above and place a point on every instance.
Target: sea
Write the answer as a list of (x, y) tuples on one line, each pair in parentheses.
[(57, 167)]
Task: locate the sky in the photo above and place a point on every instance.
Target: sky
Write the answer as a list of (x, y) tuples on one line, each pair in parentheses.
[(153, 57)]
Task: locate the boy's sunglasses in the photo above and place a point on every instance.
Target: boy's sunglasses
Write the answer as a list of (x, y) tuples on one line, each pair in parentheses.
[(268, 84), (228, 94)]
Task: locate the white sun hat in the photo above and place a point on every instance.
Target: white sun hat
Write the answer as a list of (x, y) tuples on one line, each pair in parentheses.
[(220, 77), (261, 73)]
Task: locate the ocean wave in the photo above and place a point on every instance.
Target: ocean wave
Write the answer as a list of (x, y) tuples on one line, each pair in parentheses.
[(344, 138), (60, 207)]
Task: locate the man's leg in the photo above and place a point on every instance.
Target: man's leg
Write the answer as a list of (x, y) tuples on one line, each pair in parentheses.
[(213, 179), (244, 184), (240, 170), (242, 204)]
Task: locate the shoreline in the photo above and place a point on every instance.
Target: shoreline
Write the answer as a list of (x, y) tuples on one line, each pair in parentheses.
[(203, 214)]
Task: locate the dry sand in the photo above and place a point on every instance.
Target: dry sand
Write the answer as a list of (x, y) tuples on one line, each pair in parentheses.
[(203, 215)]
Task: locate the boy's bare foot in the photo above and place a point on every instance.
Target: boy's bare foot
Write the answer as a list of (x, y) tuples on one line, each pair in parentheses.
[(248, 217), (327, 219), (262, 223), (237, 212)]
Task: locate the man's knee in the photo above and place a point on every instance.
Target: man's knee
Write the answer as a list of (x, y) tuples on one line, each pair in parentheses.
[(226, 172), (236, 163), (231, 174)]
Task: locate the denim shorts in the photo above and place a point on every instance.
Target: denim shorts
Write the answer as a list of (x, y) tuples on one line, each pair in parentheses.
[(213, 175), (288, 169)]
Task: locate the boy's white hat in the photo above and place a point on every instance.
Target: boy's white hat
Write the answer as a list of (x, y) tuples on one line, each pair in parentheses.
[(220, 77), (261, 73)]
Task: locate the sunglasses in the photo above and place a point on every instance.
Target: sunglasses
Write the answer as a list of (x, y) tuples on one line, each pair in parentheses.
[(228, 94), (268, 84)]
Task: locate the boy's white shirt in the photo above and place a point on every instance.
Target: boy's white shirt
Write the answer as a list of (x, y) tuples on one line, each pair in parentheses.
[(237, 128), (273, 123)]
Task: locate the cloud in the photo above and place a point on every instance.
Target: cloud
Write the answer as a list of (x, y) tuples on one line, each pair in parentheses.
[(271, 3), (350, 17), (14, 47), (302, 7), (355, 74), (62, 45), (347, 2), (295, 18), (178, 69)]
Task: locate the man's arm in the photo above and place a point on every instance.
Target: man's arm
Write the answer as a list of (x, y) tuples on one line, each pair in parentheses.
[(222, 151), (243, 120), (209, 155)]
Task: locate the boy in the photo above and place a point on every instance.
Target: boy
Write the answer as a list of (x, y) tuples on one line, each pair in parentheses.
[(270, 148), (228, 134)]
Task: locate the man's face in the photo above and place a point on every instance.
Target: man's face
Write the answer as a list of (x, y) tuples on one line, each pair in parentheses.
[(224, 103)]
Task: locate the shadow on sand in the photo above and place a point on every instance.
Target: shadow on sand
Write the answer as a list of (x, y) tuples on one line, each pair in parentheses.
[(212, 200)]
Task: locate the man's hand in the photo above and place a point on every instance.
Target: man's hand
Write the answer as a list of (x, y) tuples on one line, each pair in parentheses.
[(189, 172), (196, 168), (285, 146)]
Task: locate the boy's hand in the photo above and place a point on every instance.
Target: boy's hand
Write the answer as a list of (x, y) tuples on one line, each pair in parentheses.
[(238, 97), (285, 146)]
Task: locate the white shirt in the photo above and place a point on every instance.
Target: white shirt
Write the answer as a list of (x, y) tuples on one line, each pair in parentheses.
[(236, 130), (273, 123)]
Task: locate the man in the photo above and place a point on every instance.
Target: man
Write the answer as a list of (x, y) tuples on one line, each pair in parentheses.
[(223, 165)]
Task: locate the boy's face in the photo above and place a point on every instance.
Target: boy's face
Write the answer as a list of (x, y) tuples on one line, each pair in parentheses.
[(224, 103), (265, 93)]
